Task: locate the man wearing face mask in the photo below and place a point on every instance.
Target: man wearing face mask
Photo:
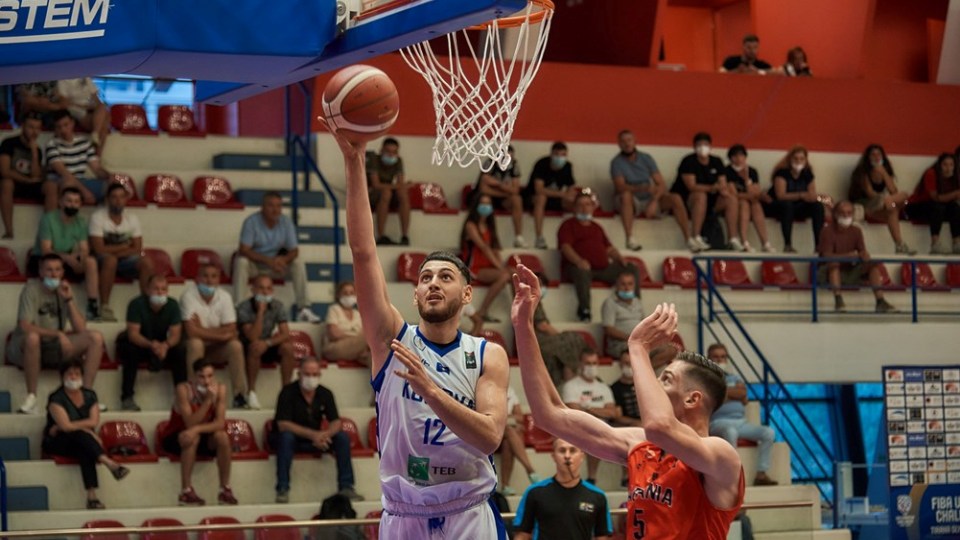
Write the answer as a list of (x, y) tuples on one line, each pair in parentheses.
[(117, 242), (844, 239), (621, 312), (587, 392), (265, 335), (302, 407), (153, 335), (702, 183), (551, 187), (386, 183)]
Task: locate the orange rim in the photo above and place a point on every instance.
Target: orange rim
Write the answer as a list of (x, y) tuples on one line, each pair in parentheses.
[(519, 20)]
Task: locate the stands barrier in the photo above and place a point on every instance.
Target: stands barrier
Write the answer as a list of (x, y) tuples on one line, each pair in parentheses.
[(3, 495)]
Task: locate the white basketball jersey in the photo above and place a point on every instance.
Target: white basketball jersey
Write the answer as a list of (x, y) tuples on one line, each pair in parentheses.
[(422, 462)]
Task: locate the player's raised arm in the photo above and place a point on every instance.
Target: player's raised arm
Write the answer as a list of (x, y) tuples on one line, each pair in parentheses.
[(550, 414)]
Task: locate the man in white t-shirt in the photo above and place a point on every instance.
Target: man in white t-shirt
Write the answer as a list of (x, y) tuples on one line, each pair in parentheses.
[(117, 241), (210, 321), (587, 392)]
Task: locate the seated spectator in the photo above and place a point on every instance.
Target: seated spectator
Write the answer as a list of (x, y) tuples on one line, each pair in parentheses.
[(512, 446), (64, 232), (873, 185), (69, 155), (210, 321), (40, 98), (480, 250), (82, 99), (198, 425), (564, 507), (551, 187), (560, 350), (503, 187), (302, 408), (937, 198), (702, 183), (265, 335), (154, 336), (794, 196), (21, 172), (796, 65), (268, 245), (388, 182), (625, 397), (621, 312), (117, 242), (39, 339), (641, 191), (844, 239), (588, 393), (747, 61), (729, 420), (71, 430), (588, 254), (746, 182), (344, 328)]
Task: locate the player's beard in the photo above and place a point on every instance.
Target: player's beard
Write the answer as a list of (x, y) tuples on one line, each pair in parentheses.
[(442, 313)]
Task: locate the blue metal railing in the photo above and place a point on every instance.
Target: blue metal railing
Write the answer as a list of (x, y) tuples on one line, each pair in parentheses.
[(298, 149), (3, 496)]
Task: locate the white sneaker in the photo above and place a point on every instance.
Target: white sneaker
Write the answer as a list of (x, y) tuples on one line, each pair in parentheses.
[(735, 244), (541, 243), (693, 245), (252, 401), (469, 310), (748, 248), (702, 243), (768, 248), (519, 242), (306, 315), (29, 405), (633, 245), (102, 406)]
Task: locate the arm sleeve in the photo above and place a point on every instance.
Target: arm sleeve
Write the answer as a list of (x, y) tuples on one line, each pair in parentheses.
[(731, 62), (569, 392), (228, 315), (825, 246), (244, 313), (604, 524), (135, 230), (44, 232), (246, 231), (861, 246), (616, 169), (650, 162), (28, 308), (524, 520), (607, 394), (175, 318), (290, 234), (687, 166), (283, 314), (53, 152), (187, 307), (133, 314), (608, 312), (284, 407), (565, 234), (96, 224), (330, 405)]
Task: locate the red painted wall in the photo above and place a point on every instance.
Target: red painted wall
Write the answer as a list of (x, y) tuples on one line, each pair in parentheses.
[(896, 45), (621, 33), (688, 37)]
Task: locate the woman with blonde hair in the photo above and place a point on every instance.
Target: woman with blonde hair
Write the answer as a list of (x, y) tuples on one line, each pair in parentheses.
[(794, 194)]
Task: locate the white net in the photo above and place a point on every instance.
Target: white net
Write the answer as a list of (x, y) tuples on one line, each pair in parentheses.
[(478, 89)]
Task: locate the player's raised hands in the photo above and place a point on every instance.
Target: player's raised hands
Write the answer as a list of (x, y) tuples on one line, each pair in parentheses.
[(415, 374), (658, 327), (526, 285), (348, 148)]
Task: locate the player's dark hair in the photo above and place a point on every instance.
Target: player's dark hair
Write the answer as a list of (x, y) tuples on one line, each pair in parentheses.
[(706, 375), (737, 149), (446, 256), (200, 363), (558, 146), (115, 186), (702, 136)]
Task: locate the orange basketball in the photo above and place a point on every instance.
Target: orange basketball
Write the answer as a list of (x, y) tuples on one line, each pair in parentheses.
[(361, 103)]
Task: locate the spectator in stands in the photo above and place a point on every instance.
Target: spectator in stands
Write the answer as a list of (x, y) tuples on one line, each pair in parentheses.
[(388, 182), (641, 191), (480, 250), (751, 198), (588, 393), (937, 198), (265, 335), (268, 245), (588, 254), (512, 446), (560, 350), (198, 425), (302, 408), (624, 396), (621, 312), (794, 194), (69, 155), (117, 242), (154, 336), (729, 420), (503, 187), (71, 430), (844, 239), (702, 183), (64, 232), (39, 339), (344, 329), (873, 184), (21, 172), (211, 323), (796, 65), (551, 187), (747, 61), (564, 507), (82, 99), (40, 98)]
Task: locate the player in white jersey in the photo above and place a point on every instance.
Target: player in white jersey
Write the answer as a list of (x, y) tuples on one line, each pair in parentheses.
[(441, 395)]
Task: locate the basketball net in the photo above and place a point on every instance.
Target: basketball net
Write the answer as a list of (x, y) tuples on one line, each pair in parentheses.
[(477, 97)]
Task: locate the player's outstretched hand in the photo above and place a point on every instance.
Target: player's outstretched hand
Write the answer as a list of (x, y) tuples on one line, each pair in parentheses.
[(415, 374), (348, 148), (658, 327), (526, 285)]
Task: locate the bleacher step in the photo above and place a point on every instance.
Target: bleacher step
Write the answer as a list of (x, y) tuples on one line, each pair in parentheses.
[(255, 162), (832, 534), (5, 405), (305, 199), (320, 235), (28, 499), (14, 448), (324, 272)]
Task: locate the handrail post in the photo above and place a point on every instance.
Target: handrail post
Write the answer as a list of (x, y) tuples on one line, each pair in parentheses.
[(700, 321), (913, 290), (814, 285), (710, 289), (3, 495)]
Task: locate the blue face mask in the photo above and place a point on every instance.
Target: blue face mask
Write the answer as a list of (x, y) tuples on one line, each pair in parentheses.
[(583, 217), (558, 161), (206, 290), (158, 300), (626, 295), (389, 160), (263, 298), (51, 282), (484, 209)]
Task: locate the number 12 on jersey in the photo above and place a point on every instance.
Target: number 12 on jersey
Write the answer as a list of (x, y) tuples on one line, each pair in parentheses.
[(437, 427)]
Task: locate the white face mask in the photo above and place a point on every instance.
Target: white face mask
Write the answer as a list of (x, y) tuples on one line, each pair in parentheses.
[(590, 372), (797, 167), (703, 150), (627, 371), (738, 168), (876, 162), (845, 221), (348, 302), (202, 390), (309, 383), (73, 384)]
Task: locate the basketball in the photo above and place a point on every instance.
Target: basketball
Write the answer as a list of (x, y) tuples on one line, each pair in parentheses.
[(361, 103)]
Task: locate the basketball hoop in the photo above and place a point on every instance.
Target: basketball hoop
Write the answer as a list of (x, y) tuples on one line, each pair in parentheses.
[(477, 102)]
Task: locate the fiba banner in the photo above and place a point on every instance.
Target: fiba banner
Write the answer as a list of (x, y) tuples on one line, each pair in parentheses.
[(922, 407)]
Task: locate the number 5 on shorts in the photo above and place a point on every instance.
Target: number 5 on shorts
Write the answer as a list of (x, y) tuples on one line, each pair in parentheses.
[(438, 426)]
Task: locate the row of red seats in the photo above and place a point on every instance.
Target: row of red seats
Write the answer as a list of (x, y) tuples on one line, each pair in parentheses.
[(371, 532), (175, 120)]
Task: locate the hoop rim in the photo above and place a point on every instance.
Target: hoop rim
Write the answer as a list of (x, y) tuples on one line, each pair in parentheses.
[(519, 20)]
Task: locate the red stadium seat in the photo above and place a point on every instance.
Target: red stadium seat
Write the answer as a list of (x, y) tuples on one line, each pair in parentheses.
[(125, 442), (589, 340), (177, 121), (372, 532), (953, 275), (243, 441), (372, 433), (599, 212), (429, 197), (495, 337), (781, 274), (408, 266), (104, 524), (885, 282), (166, 191), (646, 282), (215, 192), (192, 259), (465, 195), (733, 273), (133, 199), (237, 534), (533, 262), (302, 345), (678, 341), (292, 533), (679, 271), (9, 271), (162, 264), (163, 522), (534, 437), (130, 120), (357, 449), (925, 278)]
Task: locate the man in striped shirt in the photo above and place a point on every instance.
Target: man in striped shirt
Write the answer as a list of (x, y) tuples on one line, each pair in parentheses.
[(69, 156)]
